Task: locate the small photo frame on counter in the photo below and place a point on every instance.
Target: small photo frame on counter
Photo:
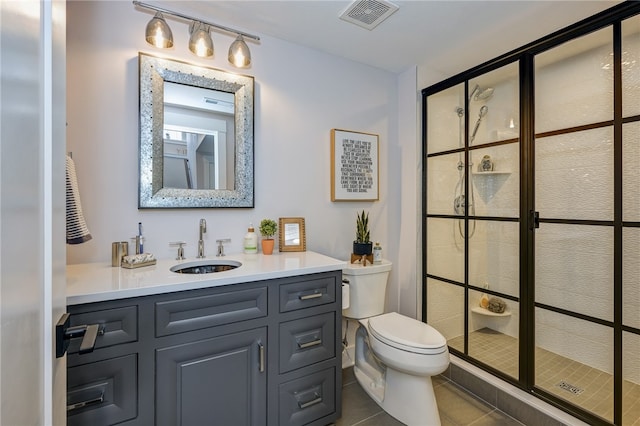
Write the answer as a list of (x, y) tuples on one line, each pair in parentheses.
[(354, 166), (292, 235)]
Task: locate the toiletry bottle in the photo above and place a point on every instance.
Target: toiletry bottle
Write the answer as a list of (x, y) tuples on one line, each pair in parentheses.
[(484, 301), (141, 249), (250, 243), (377, 253)]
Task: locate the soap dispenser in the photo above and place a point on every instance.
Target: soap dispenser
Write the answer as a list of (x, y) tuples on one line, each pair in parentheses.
[(250, 242), (484, 299)]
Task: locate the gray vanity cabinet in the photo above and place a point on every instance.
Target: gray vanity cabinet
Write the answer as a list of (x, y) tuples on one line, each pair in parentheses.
[(259, 353), (220, 380)]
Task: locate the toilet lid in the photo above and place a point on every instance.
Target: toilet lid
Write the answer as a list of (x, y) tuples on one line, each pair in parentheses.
[(406, 333)]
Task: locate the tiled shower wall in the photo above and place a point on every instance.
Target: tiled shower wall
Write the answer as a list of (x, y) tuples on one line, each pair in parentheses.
[(574, 180)]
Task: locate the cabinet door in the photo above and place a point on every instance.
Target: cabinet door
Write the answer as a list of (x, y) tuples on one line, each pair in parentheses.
[(217, 381)]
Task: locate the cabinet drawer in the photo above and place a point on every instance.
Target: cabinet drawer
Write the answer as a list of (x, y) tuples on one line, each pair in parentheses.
[(194, 313), (103, 392), (304, 294), (308, 398), (306, 341), (120, 325)]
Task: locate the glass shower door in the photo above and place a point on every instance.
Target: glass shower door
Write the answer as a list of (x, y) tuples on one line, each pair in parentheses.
[(472, 217), (575, 243), (493, 227)]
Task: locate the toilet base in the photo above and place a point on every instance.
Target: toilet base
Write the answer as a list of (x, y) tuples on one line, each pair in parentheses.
[(410, 399)]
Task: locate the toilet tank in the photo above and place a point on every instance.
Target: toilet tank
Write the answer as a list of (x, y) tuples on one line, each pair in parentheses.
[(367, 288)]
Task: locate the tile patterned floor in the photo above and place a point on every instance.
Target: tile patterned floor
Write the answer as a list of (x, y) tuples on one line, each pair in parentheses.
[(456, 406), (584, 386)]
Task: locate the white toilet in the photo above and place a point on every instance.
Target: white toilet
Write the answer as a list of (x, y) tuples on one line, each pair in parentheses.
[(395, 356)]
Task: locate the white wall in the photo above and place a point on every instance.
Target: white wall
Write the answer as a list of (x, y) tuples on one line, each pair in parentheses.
[(301, 94)]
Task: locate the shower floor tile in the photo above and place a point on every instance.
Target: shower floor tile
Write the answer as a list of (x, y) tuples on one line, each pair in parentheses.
[(584, 386)]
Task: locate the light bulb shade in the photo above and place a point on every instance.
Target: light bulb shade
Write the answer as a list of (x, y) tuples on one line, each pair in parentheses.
[(239, 54), (158, 32), (200, 42)]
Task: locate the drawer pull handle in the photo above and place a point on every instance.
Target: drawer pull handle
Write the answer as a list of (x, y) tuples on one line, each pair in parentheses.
[(82, 404), (261, 354), (316, 400), (310, 296), (310, 344)]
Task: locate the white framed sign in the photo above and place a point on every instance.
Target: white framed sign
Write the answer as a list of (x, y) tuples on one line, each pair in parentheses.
[(354, 166)]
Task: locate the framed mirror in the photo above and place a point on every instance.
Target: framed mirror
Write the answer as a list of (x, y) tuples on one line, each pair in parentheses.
[(196, 136), (292, 235)]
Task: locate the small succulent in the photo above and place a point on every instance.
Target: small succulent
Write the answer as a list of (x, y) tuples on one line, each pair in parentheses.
[(362, 227), (268, 228)]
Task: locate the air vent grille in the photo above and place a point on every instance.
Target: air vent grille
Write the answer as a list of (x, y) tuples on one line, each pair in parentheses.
[(368, 13)]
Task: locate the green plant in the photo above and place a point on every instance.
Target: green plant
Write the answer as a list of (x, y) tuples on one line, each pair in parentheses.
[(268, 228), (362, 227)]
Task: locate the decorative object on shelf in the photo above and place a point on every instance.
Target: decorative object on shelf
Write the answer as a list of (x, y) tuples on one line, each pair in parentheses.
[(486, 165), (362, 246), (138, 260), (268, 229), (377, 253), (497, 305), (292, 235), (354, 166), (250, 241), (484, 301)]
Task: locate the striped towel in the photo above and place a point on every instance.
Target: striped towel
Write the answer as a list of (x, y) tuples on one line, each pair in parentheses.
[(77, 231)]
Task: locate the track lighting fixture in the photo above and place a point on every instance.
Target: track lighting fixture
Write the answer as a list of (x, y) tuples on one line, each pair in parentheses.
[(239, 54), (200, 41), (159, 35), (158, 32)]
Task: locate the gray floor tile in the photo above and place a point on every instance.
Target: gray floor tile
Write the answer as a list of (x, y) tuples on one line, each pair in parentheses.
[(456, 406), (356, 405), (380, 419)]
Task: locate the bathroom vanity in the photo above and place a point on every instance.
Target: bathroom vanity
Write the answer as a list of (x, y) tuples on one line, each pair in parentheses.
[(259, 346)]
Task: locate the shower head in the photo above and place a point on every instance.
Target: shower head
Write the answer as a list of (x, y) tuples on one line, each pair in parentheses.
[(480, 94)]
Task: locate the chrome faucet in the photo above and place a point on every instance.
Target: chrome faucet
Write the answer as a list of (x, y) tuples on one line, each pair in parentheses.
[(203, 229)]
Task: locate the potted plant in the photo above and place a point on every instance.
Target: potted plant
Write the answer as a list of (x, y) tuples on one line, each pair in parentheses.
[(362, 244), (268, 229)]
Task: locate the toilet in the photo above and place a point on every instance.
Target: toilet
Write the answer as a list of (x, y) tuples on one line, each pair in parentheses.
[(395, 356)]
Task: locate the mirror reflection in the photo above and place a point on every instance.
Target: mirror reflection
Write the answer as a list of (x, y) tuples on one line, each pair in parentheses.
[(196, 136)]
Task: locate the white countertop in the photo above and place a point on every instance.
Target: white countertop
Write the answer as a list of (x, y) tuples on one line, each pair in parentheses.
[(97, 282)]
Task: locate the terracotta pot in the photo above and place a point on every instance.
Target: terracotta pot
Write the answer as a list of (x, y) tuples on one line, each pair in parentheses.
[(267, 245)]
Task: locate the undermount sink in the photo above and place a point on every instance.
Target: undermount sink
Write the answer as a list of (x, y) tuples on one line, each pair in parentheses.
[(205, 266)]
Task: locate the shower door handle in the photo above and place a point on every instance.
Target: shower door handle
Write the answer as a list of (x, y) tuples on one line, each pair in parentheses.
[(534, 220)]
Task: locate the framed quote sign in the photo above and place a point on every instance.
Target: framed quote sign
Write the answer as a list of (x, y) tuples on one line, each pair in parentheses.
[(354, 166)]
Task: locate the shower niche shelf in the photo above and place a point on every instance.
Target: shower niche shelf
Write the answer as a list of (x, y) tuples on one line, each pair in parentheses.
[(498, 173), (482, 311)]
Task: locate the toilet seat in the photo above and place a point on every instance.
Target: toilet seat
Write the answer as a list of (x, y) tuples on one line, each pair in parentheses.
[(407, 334)]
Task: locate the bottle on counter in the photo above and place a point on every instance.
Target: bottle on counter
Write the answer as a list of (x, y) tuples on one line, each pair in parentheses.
[(250, 242), (377, 253)]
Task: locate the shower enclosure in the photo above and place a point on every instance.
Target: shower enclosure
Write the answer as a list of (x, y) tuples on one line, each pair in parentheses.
[(532, 216)]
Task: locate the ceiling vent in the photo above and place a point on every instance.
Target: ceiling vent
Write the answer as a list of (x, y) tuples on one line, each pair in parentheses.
[(368, 13)]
